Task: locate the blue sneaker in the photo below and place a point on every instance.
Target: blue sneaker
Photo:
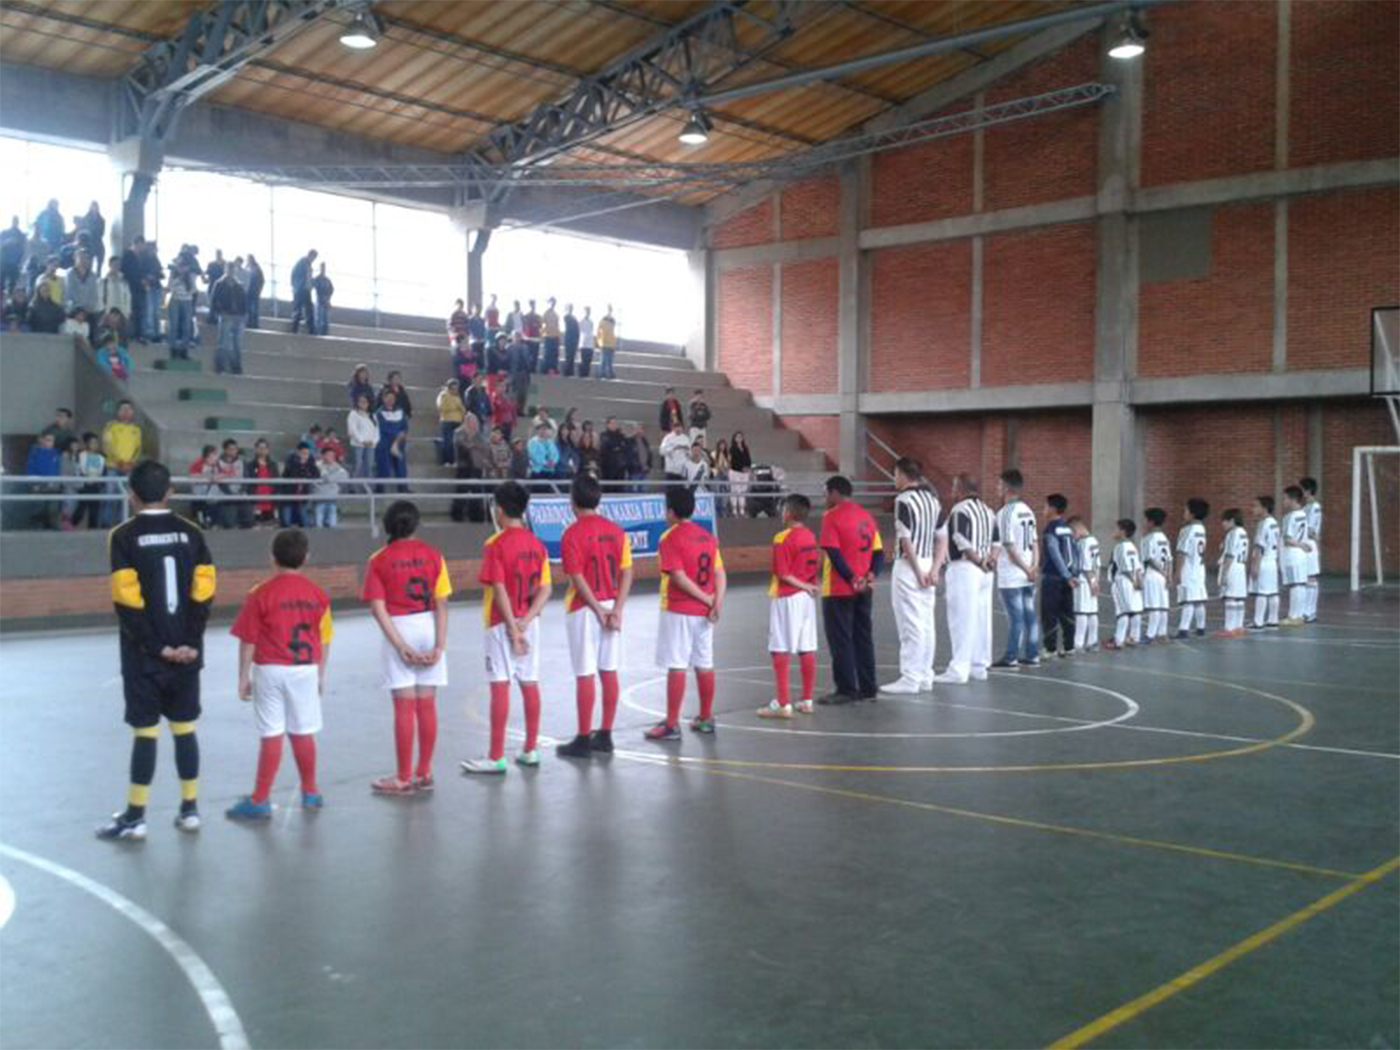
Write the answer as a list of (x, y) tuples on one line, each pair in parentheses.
[(312, 801), (661, 731), (246, 809)]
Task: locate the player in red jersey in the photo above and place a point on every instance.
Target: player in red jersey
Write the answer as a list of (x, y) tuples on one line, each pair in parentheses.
[(284, 635), (692, 592), (598, 562), (792, 615), (515, 574), (407, 587), (855, 555)]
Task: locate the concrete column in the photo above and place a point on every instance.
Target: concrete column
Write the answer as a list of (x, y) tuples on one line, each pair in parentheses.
[(852, 304), (476, 285), (137, 163), (697, 342)]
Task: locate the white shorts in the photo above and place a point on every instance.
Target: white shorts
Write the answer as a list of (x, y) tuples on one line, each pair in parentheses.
[(1294, 564), (1234, 583), (1265, 581), (1154, 591), (502, 662), (286, 699), (792, 624), (1314, 560), (1192, 587), (684, 641), (1086, 602), (1127, 599), (591, 648), (418, 631)]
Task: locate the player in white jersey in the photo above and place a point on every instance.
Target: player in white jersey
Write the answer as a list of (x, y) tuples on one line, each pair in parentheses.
[(1018, 564), (1293, 564), (1191, 568), (1233, 578), (1125, 568), (1313, 509), (1263, 565), (1085, 585), (1156, 577)]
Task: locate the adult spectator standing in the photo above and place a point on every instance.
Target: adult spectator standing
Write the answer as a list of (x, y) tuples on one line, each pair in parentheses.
[(854, 557), (323, 290), (451, 412), (493, 319), (571, 334), (228, 302), (61, 429), (302, 309), (360, 386), (639, 460), (586, 339), (549, 330), (719, 470), (152, 275), (503, 412), (478, 401), (362, 431), (254, 288), (515, 321), (391, 457), (12, 245), (607, 344), (472, 454), (671, 411), (519, 370), (132, 268), (229, 470), (82, 287), (675, 450), (180, 310), (121, 444), (213, 274), (696, 469), (612, 453), (46, 305), (699, 418), (1056, 572), (95, 226), (457, 323), (259, 470), (740, 463), (531, 326), (49, 227), (393, 383), (919, 554), (1018, 563), (476, 335), (114, 293), (972, 538)]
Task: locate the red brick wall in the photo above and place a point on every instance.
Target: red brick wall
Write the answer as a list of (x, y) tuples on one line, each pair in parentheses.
[(1222, 322), (931, 181), (1343, 259), (920, 303), (1344, 426), (751, 226), (1345, 82), (819, 432), (1208, 105), (946, 445), (1038, 306), (1054, 450), (809, 291), (1046, 158), (810, 209), (745, 323)]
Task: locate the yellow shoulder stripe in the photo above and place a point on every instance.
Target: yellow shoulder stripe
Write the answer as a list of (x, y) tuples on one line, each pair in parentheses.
[(203, 584), (327, 629), (780, 537), (443, 587)]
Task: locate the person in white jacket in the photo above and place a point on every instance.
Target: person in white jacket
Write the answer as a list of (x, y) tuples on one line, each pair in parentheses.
[(675, 452), (363, 434)]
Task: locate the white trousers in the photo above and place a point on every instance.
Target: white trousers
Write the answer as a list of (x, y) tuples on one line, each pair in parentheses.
[(913, 616), (968, 600)]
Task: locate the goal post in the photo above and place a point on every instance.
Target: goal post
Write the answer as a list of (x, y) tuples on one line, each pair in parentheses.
[(1377, 489)]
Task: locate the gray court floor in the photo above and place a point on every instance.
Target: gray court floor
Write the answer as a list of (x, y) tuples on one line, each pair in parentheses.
[(1001, 864)]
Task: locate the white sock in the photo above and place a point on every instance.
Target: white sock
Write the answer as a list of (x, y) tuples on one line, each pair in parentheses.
[(1135, 628), (1296, 601), (1081, 629), (1261, 608), (1200, 616), (1312, 598), (1120, 630), (1185, 618), (1272, 621)]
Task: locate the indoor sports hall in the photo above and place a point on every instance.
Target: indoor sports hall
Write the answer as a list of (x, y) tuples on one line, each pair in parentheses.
[(1037, 358)]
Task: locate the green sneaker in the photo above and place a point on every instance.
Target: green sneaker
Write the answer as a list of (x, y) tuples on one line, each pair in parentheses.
[(703, 725), (528, 759), (490, 766)]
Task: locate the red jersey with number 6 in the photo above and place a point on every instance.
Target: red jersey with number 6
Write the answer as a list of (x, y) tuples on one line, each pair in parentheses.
[(286, 619), (516, 558), (407, 576), (597, 549), (695, 551)]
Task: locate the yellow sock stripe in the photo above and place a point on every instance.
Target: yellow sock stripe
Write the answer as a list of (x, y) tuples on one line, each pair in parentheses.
[(149, 732), (181, 728), (138, 794), (189, 789)]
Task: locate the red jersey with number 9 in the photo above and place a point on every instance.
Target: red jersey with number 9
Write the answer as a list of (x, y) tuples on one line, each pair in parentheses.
[(597, 549), (516, 558), (695, 551), (406, 576), (286, 619)]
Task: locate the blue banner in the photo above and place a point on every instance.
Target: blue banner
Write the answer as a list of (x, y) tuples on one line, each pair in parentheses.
[(643, 518)]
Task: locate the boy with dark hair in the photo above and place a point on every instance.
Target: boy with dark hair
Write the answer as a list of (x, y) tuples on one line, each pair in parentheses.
[(1312, 508), (1294, 563), (162, 586), (1191, 568), (1125, 569), (1232, 579), (1263, 565), (515, 575), (1085, 587), (792, 613), (1157, 571), (597, 559), (692, 593), (284, 637), (1057, 611)]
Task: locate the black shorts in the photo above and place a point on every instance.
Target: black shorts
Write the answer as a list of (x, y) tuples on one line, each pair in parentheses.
[(172, 695)]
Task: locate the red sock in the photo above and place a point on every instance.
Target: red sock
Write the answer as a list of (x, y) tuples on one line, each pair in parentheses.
[(530, 691), (500, 711), (808, 663), (675, 696), (427, 733), (584, 695), (269, 758), (304, 751), (706, 681), (781, 663), (405, 709), (611, 693)]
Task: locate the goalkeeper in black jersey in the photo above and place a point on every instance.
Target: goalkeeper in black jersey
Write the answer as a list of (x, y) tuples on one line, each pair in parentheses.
[(162, 586)]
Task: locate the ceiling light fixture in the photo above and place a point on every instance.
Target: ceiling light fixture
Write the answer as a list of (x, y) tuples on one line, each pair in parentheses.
[(1130, 42), (361, 34), (696, 131)]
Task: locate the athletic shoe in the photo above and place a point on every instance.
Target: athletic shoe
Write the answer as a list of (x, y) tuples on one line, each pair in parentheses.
[(1224, 634), (316, 800), (1006, 664), (1066, 654), (424, 783), (578, 747), (834, 699), (868, 696), (528, 759), (188, 820), (775, 710), (1032, 664), (1200, 632), (1310, 619), (488, 766), (600, 740), (246, 809), (391, 785), (704, 726), (804, 707), (1292, 621), (1183, 635), (978, 675), (1257, 627), (901, 687), (947, 678), (662, 732), (119, 828), (1112, 646)]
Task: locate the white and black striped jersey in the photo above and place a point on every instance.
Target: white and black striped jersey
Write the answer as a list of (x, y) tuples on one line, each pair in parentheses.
[(1191, 545), (1018, 530), (1157, 551), (1236, 545), (1295, 526), (1266, 538), (972, 530), (1087, 557), (1313, 511), (1126, 561), (916, 514)]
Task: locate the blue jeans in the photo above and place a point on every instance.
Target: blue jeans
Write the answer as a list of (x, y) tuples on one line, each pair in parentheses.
[(361, 461), (325, 515), (292, 514), (181, 326), (322, 325), (1024, 628), (229, 357), (605, 367), (150, 317)]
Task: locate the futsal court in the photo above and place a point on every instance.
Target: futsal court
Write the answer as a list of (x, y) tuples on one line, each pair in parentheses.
[(1190, 845)]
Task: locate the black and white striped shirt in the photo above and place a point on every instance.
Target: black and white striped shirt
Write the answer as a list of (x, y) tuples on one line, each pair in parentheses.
[(916, 512), (972, 530)]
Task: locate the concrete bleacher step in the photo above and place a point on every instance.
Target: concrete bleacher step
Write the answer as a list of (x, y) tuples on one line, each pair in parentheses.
[(171, 364), (222, 423), (204, 394)]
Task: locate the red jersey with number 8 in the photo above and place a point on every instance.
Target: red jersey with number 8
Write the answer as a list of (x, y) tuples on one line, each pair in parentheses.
[(517, 559), (694, 551), (286, 619), (406, 576)]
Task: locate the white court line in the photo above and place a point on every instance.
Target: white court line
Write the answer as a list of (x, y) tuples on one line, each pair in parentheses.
[(1345, 643), (211, 993), (7, 901)]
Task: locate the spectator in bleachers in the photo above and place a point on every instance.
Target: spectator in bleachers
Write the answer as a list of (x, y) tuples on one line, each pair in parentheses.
[(331, 440), (312, 436), (302, 310), (360, 386), (612, 452), (215, 272), (590, 457), (325, 511), (451, 411), (671, 411), (180, 311), (675, 451), (503, 413), (302, 466), (323, 290), (92, 464), (391, 455), (121, 444), (132, 265), (152, 277), (493, 319), (639, 459), (61, 428), (46, 313), (500, 454), (81, 286), (230, 469), (45, 461), (49, 227), (571, 334), (519, 460), (699, 417), (79, 327), (229, 305), (586, 342), (472, 454), (362, 430), (719, 470), (114, 293), (607, 344), (539, 416), (696, 468), (70, 466), (115, 323), (463, 363), (261, 468), (95, 226), (515, 321), (478, 400), (740, 463), (254, 280), (112, 357), (13, 243), (544, 452), (393, 384), (519, 369), (497, 354), (476, 334), (457, 323), (205, 489), (532, 326), (549, 332), (15, 315), (569, 459)]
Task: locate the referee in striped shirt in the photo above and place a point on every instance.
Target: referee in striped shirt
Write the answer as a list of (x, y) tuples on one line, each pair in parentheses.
[(972, 535), (920, 552)]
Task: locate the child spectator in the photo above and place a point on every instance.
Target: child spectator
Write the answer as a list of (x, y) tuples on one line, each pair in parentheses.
[(92, 464), (206, 471), (500, 454), (113, 359), (300, 465), (699, 418), (519, 460), (451, 410), (262, 468), (69, 467), (503, 412), (331, 440), (363, 432), (391, 455), (45, 461), (228, 468), (325, 512)]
